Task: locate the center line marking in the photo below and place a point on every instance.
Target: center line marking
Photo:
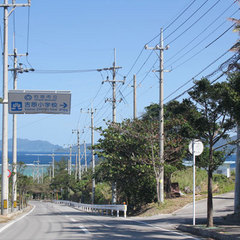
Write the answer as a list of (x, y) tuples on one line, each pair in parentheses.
[(73, 220), (84, 229)]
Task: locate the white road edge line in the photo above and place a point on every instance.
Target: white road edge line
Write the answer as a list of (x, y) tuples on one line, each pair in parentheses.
[(163, 229), (73, 220), (11, 223), (84, 229)]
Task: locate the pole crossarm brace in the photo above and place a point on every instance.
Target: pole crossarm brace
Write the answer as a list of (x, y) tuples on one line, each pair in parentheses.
[(20, 69), (106, 69), (121, 81), (15, 5)]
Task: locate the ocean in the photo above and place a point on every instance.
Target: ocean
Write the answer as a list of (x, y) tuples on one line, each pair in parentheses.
[(45, 160)]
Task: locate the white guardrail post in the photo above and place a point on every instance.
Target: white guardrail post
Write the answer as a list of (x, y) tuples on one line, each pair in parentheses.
[(95, 208)]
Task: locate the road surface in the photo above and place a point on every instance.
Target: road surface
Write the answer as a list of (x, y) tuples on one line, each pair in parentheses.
[(48, 221)]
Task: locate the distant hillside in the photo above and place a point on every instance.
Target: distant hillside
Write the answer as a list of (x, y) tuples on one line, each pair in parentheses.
[(25, 145), (229, 147)]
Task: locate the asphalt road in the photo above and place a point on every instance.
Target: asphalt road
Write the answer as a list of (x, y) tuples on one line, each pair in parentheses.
[(49, 221)]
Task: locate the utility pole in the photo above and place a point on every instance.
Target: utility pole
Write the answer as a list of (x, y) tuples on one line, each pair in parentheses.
[(237, 176), (53, 163), (93, 156), (70, 160), (85, 155), (36, 170), (4, 190), (15, 70), (134, 97), (161, 48), (78, 166), (50, 172), (113, 100)]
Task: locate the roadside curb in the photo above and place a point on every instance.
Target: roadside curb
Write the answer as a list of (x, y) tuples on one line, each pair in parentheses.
[(19, 212), (22, 214), (200, 231)]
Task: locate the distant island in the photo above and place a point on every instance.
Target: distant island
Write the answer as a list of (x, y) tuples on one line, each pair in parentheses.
[(39, 146), (25, 145)]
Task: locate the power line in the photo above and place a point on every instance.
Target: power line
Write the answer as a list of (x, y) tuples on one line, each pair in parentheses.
[(186, 20), (179, 16), (138, 70), (135, 62), (201, 50), (194, 22), (170, 24), (28, 30), (219, 36), (64, 71), (204, 31), (195, 77)]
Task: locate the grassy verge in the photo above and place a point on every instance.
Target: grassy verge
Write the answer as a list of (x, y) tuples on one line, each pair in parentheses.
[(221, 184)]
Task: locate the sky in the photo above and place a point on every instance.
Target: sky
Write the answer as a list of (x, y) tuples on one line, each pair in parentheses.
[(67, 41)]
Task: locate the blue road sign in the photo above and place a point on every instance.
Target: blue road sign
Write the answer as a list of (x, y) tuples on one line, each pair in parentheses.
[(32, 102)]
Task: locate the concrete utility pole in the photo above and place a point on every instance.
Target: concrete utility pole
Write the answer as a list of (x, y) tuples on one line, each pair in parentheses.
[(85, 155), (93, 156), (134, 97), (50, 171), (78, 166), (237, 177), (4, 190), (70, 161), (161, 114), (113, 100), (53, 163), (15, 70)]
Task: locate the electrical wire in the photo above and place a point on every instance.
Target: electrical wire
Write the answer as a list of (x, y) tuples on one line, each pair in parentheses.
[(165, 28), (64, 71), (170, 24), (179, 15), (14, 30), (28, 30), (194, 22), (135, 62), (177, 28), (194, 78), (201, 50), (187, 28), (204, 30)]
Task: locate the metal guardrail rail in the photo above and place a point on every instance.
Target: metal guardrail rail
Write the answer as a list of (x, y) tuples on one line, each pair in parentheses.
[(96, 208)]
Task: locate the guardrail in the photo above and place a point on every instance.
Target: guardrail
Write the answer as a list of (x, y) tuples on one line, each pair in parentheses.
[(96, 208)]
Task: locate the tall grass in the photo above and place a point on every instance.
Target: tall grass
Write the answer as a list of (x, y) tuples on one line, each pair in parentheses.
[(221, 184), (185, 179)]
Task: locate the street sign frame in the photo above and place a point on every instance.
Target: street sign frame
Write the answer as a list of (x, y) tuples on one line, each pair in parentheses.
[(39, 102), (198, 147)]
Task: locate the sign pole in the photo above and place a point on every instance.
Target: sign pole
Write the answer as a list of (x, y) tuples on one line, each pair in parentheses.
[(194, 173), (195, 148)]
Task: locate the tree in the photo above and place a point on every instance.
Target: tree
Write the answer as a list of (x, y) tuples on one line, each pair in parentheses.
[(232, 100), (179, 128), (60, 182), (215, 122), (133, 146), (121, 149), (24, 184)]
